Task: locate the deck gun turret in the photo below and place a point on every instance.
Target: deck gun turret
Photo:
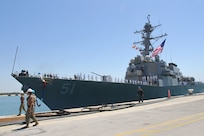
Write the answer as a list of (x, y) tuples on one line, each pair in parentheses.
[(104, 78)]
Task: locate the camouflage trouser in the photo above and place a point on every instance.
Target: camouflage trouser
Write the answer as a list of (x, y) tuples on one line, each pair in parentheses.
[(22, 107), (30, 115)]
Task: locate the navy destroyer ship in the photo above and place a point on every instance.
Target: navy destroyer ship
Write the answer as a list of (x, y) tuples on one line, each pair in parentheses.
[(146, 70)]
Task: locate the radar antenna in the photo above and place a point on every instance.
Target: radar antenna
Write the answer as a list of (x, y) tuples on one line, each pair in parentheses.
[(146, 37), (148, 18)]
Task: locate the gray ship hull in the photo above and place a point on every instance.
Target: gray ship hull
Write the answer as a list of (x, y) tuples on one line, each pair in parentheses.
[(60, 94)]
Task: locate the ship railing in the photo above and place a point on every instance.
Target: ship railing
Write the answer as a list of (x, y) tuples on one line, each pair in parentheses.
[(27, 74), (139, 82), (85, 78)]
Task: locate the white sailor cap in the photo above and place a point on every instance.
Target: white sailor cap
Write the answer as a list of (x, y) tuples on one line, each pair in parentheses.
[(29, 90)]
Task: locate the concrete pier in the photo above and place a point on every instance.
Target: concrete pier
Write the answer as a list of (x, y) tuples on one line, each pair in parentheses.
[(160, 117), (11, 94)]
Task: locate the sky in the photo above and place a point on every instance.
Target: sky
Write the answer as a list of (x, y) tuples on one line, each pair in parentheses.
[(67, 37)]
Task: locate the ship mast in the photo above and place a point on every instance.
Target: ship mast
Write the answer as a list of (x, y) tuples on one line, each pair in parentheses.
[(146, 36)]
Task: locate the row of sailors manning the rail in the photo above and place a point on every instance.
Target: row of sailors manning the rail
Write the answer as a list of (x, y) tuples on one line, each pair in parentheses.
[(26, 73), (146, 80), (76, 76), (107, 78)]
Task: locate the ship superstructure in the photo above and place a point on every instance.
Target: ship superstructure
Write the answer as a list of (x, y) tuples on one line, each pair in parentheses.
[(151, 70)]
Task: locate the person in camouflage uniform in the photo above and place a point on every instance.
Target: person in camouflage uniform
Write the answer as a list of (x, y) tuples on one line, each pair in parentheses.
[(22, 106), (30, 113)]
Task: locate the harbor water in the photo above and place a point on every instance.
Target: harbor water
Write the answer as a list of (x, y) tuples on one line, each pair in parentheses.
[(9, 105)]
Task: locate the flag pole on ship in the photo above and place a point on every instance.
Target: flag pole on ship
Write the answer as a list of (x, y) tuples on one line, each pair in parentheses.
[(14, 60)]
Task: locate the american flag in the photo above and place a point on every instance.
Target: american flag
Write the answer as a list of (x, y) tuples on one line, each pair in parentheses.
[(158, 50)]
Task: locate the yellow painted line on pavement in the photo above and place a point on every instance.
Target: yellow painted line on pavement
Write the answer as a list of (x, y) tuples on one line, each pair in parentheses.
[(165, 126)]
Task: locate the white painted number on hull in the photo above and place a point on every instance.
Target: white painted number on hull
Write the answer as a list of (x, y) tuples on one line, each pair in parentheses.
[(67, 88)]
